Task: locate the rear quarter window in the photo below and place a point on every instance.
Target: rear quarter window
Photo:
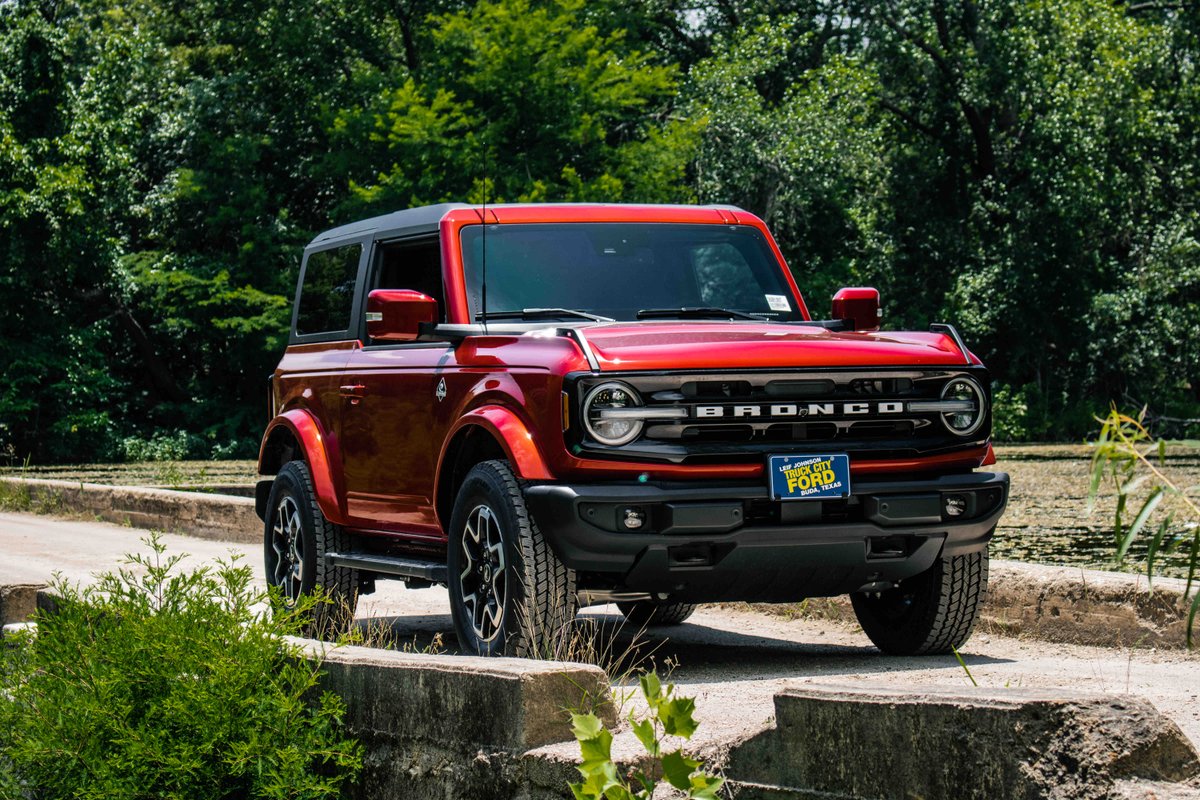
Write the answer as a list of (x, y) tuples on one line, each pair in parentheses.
[(327, 290)]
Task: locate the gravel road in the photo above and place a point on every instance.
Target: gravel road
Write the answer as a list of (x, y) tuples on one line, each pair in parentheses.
[(733, 661)]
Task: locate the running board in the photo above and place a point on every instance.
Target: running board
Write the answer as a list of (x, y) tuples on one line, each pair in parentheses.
[(390, 565)]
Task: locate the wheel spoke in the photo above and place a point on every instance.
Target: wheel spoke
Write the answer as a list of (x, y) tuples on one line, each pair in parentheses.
[(287, 547), (482, 578)]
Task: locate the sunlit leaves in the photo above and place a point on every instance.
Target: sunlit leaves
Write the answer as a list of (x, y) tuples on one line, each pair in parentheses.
[(668, 716), (529, 100)]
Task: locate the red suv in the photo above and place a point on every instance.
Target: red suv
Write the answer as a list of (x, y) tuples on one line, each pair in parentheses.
[(549, 406)]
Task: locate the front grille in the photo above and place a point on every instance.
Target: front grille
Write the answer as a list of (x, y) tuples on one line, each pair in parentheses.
[(745, 415)]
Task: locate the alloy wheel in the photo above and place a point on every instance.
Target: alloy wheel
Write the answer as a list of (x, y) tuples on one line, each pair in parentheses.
[(483, 580), (287, 541)]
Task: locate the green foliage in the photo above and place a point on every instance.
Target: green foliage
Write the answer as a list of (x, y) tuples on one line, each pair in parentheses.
[(518, 101), (805, 158), (669, 716), (1025, 169), (1168, 514), (160, 447), (160, 682)]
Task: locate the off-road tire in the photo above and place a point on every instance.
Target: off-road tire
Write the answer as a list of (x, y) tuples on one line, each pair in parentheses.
[(646, 613), (337, 587), (930, 613), (539, 602)]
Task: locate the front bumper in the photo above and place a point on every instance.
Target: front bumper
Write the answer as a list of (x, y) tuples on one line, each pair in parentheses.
[(710, 543)]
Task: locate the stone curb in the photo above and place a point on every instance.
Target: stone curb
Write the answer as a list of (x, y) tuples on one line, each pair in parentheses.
[(208, 516), (1057, 604), (1079, 606), (1018, 743)]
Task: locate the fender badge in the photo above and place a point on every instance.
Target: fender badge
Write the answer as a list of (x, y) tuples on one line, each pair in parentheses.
[(440, 394)]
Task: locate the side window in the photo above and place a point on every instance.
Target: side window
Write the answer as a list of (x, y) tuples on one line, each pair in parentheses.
[(327, 293), (415, 265)]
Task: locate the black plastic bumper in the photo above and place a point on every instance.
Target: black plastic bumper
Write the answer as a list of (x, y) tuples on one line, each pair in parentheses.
[(706, 543)]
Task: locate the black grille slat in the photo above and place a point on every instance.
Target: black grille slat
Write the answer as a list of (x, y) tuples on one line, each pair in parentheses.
[(803, 431), (880, 430), (718, 433), (716, 390), (800, 389)]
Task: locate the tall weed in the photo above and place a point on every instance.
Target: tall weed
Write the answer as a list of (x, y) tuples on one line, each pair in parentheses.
[(1169, 514)]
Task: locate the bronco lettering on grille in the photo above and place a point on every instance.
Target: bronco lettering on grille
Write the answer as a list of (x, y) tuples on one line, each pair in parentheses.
[(798, 410)]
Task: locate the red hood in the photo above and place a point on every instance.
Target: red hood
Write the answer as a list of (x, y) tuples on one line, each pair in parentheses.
[(699, 346)]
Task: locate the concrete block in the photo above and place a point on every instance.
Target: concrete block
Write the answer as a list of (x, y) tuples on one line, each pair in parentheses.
[(47, 601), (454, 726), (879, 742), (18, 602)]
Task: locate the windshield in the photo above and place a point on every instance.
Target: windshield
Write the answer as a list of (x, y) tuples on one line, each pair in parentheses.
[(618, 269)]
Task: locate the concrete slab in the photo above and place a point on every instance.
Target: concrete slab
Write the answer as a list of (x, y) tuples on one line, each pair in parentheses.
[(17, 601), (454, 726), (886, 742)]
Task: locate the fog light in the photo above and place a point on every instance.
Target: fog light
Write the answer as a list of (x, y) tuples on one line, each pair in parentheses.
[(954, 505), (634, 518)]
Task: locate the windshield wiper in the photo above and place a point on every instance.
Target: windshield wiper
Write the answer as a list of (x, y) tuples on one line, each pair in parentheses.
[(698, 313), (542, 313)]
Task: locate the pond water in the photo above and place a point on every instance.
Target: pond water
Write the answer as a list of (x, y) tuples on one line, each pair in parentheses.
[(1048, 520)]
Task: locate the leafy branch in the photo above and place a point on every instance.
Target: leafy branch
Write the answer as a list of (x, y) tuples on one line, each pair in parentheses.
[(669, 716), (1134, 460)]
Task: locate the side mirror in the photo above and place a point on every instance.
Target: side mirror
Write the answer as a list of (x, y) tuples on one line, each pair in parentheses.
[(859, 306), (395, 315)]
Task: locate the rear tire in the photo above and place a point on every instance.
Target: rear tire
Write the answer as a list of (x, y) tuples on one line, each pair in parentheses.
[(297, 538), (930, 613), (646, 613), (509, 593)]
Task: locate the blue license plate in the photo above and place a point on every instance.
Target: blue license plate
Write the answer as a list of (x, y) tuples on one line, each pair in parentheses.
[(809, 477)]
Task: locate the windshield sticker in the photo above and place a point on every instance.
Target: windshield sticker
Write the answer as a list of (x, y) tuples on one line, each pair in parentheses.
[(778, 302)]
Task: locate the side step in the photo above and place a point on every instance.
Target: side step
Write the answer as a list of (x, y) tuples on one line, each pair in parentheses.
[(432, 571)]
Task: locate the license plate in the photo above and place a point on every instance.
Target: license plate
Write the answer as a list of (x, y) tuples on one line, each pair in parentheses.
[(809, 477)]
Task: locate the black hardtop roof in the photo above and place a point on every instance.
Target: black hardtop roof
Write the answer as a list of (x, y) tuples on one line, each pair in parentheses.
[(397, 223), (425, 219)]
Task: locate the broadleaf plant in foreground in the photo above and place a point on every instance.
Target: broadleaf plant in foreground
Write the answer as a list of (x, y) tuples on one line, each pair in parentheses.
[(669, 716)]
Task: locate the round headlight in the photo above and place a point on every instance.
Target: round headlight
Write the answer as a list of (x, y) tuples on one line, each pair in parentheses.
[(966, 391), (608, 428)]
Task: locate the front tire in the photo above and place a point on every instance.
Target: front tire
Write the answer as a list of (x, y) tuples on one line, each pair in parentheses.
[(296, 540), (645, 613), (509, 593), (930, 613)]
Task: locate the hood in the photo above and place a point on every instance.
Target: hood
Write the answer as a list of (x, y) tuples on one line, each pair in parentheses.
[(738, 345)]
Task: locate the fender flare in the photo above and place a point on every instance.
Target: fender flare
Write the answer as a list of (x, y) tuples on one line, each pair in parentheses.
[(311, 439), (513, 436)]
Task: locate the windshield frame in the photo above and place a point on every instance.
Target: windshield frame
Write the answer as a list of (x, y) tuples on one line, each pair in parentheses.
[(767, 265)]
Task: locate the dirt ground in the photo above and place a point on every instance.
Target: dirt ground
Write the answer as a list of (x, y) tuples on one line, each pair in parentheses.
[(733, 661)]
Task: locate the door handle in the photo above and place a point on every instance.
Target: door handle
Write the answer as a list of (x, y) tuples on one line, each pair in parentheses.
[(354, 392)]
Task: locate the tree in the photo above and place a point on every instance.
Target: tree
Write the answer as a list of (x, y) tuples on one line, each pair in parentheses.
[(519, 101)]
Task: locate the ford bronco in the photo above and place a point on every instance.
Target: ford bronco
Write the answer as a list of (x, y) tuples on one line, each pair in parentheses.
[(544, 407)]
